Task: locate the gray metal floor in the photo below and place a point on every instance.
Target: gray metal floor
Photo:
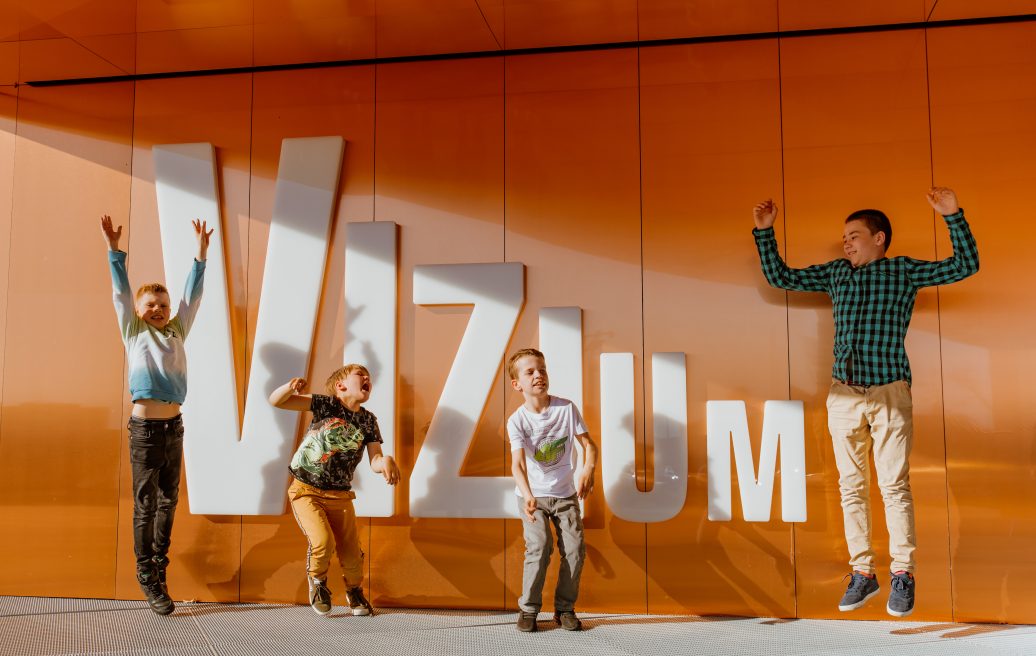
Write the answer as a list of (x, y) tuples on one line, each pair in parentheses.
[(33, 625)]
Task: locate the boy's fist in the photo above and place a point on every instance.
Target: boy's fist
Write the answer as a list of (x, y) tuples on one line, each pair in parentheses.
[(943, 200), (298, 385), (765, 213)]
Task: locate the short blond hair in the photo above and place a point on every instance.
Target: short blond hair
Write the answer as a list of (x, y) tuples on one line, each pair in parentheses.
[(512, 362), (151, 288), (340, 373)]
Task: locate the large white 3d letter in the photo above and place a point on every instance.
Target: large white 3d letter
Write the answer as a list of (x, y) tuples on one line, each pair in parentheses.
[(371, 312), (225, 475), (618, 437), (782, 421), (497, 292)]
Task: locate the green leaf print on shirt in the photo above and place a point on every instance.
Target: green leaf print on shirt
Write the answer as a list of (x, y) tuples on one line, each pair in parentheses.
[(549, 453), (331, 436)]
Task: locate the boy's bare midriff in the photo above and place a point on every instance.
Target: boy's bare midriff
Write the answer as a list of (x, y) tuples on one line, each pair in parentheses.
[(154, 409)]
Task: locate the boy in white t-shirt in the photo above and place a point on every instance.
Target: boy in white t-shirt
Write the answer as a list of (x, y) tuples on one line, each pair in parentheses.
[(542, 433)]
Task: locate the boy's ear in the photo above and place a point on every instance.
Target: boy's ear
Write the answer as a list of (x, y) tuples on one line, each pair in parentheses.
[(340, 385), (515, 385)]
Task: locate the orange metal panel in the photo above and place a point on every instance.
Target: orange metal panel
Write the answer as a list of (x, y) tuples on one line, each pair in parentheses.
[(983, 139), (289, 32), (538, 23), (855, 118), (439, 172), (41, 19), (62, 58), (711, 134), (668, 19), (195, 49), (205, 549), (302, 104), (161, 15), (950, 9), (810, 14), (415, 27), (62, 395), (9, 56), (573, 218)]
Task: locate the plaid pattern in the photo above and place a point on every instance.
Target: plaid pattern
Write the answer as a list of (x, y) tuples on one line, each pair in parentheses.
[(872, 304)]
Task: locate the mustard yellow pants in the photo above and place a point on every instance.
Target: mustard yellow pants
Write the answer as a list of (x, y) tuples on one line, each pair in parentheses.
[(328, 521)]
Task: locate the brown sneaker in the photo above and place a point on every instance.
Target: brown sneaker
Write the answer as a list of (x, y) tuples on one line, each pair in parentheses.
[(526, 621), (568, 620), (358, 604), (319, 596)]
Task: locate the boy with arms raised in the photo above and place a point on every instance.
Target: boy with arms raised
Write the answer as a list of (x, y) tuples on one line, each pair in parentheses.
[(542, 433), (869, 405), (322, 469), (157, 366)]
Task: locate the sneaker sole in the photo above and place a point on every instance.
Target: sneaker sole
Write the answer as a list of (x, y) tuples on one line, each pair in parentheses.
[(859, 603), (320, 612), (361, 611), (897, 613)]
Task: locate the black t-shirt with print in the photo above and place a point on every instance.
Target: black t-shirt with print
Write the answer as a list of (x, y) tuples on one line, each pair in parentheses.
[(333, 444)]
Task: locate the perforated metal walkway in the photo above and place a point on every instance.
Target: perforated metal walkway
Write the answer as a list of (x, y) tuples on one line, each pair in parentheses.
[(89, 626)]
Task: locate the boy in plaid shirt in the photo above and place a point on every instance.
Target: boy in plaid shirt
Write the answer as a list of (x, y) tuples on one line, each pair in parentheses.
[(869, 405)]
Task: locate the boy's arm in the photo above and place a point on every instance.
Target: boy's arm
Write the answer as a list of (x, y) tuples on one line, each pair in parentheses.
[(964, 261), (191, 299), (289, 396), (122, 295), (777, 273), (585, 484), (521, 479), (382, 464)]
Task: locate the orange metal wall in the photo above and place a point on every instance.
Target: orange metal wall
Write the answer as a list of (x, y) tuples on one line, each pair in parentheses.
[(623, 180)]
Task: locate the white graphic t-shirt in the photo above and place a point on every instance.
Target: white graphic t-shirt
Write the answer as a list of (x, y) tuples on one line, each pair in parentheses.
[(548, 440)]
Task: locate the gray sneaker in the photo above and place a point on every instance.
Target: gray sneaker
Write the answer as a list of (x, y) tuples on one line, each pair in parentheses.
[(861, 588), (901, 597)]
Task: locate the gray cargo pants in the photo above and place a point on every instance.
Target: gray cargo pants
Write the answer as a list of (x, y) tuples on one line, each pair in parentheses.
[(568, 523)]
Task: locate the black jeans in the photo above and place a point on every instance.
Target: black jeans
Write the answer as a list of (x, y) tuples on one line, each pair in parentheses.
[(156, 454)]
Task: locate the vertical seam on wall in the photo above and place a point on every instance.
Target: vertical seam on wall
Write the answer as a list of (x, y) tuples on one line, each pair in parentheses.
[(395, 374), (245, 281), (787, 306), (938, 324), (503, 173), (643, 326), (10, 233)]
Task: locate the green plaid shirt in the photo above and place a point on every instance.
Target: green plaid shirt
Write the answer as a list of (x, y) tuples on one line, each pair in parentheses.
[(872, 304)]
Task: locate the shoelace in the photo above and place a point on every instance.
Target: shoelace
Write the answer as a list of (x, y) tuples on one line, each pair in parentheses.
[(856, 580), (901, 583)]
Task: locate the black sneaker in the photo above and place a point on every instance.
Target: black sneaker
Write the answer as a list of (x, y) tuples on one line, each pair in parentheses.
[(161, 563), (358, 604), (526, 621), (901, 597), (568, 620), (319, 596), (157, 598), (861, 588)]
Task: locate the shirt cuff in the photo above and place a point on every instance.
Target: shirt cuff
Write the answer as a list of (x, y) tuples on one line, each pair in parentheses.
[(955, 217), (762, 233)]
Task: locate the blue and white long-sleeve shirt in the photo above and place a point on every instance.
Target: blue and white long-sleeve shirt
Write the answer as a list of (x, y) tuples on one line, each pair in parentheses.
[(156, 358)]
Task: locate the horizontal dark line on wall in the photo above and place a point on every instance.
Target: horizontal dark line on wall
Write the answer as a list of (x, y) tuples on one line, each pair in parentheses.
[(482, 54)]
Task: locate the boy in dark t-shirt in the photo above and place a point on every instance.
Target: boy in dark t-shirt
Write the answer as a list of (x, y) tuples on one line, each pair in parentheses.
[(321, 493)]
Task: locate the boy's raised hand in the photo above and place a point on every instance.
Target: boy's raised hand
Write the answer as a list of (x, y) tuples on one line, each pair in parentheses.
[(111, 234), (943, 200), (297, 385), (202, 236), (765, 213)]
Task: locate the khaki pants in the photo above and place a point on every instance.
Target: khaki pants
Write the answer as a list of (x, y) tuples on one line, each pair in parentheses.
[(328, 521), (876, 419), (564, 514)]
